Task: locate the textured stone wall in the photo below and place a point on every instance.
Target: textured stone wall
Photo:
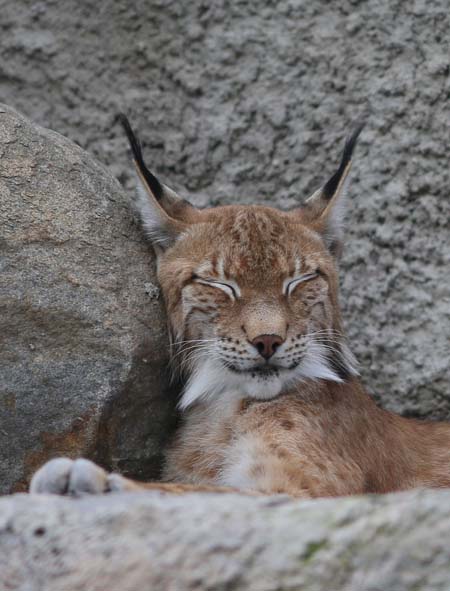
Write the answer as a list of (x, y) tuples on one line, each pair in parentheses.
[(249, 101)]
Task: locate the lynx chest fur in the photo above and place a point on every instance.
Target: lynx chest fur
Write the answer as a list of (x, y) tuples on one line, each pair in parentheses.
[(303, 443)]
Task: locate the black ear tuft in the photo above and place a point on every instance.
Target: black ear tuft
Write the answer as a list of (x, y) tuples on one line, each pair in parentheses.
[(135, 145), (332, 184)]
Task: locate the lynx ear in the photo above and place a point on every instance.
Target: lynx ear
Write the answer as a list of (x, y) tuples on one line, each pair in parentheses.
[(163, 214), (324, 210)]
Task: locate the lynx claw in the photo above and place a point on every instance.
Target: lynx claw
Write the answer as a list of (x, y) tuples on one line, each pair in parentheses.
[(63, 476)]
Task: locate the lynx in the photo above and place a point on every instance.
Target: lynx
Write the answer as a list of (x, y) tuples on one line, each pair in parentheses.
[(272, 401)]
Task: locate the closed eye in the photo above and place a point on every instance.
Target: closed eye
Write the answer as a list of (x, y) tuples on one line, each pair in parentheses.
[(230, 288), (290, 284)]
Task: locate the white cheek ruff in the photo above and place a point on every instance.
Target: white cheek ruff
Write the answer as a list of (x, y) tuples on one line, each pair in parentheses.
[(315, 365), (208, 380), (211, 379)]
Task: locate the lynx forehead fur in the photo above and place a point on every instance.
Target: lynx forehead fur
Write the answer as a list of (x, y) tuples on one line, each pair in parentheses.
[(272, 401)]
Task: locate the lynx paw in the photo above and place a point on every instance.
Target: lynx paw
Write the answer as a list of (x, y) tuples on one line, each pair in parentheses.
[(63, 476)]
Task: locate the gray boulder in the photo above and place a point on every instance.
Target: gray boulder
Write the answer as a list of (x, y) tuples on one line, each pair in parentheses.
[(202, 542), (83, 344)]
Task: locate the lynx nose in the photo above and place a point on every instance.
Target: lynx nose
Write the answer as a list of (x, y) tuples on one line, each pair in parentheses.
[(267, 344)]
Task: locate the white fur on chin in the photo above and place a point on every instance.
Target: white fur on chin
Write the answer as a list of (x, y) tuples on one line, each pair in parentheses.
[(211, 378)]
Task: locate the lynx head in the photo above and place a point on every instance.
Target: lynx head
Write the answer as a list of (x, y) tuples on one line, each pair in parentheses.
[(251, 292)]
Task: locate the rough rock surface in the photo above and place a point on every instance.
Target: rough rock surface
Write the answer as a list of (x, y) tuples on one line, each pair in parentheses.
[(217, 542), (248, 101), (83, 346)]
